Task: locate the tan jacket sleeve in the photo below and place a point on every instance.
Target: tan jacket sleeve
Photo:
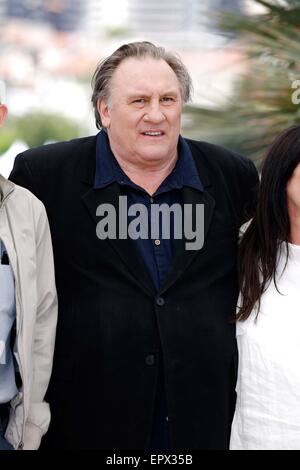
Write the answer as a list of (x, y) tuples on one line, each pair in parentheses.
[(44, 338)]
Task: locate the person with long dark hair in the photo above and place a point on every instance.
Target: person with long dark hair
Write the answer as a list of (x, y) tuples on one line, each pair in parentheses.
[(267, 412)]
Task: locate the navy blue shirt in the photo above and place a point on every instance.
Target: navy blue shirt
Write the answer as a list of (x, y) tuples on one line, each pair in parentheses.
[(156, 254)]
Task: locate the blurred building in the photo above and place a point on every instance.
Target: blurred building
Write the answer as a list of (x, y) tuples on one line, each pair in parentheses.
[(63, 15), (136, 16), (2, 10), (231, 6), (228, 5), (166, 16), (158, 16), (176, 15), (102, 16)]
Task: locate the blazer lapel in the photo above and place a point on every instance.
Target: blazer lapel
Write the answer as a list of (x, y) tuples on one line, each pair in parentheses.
[(124, 248), (184, 257)]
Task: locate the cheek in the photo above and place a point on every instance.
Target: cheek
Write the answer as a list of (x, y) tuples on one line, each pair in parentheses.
[(293, 190), (175, 119), (289, 189), (131, 122)]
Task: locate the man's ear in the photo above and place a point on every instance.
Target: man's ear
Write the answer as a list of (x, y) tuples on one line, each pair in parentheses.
[(3, 113), (103, 110)]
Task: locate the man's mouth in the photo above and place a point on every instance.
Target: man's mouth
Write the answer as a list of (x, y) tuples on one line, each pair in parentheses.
[(153, 133)]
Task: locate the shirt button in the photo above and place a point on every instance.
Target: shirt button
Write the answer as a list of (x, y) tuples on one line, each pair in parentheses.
[(151, 200), (157, 242), (150, 360), (160, 301)]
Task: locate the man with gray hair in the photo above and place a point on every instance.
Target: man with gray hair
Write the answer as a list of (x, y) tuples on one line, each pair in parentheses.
[(145, 353)]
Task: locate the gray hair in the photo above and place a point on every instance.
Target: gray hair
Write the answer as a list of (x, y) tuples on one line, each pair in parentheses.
[(103, 74)]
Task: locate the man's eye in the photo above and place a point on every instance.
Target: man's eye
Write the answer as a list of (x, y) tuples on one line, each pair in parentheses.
[(140, 100), (167, 99)]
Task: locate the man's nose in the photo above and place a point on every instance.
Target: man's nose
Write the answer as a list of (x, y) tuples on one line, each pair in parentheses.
[(154, 114)]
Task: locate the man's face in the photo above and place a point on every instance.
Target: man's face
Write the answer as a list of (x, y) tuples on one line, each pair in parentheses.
[(3, 113), (143, 113)]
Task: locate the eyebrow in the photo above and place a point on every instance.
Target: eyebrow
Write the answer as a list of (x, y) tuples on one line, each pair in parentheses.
[(146, 95)]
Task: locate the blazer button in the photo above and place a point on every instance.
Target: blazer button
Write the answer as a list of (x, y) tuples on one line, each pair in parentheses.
[(160, 301), (150, 360)]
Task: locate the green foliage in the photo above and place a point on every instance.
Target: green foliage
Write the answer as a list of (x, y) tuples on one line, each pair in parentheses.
[(261, 105), (37, 128), (116, 32), (7, 137)]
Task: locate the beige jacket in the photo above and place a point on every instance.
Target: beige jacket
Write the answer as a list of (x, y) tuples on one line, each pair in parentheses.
[(25, 232)]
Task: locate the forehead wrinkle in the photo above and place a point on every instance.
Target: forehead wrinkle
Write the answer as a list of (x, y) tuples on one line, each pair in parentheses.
[(126, 74)]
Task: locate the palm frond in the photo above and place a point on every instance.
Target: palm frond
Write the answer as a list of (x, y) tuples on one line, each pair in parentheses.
[(261, 105)]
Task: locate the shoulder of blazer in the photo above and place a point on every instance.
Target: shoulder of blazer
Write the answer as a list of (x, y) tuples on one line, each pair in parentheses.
[(215, 162), (215, 155), (229, 173), (55, 155)]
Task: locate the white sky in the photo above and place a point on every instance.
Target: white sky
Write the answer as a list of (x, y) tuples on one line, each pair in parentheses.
[(114, 12)]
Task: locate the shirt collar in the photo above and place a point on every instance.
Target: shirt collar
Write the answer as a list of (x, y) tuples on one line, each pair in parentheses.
[(109, 171)]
